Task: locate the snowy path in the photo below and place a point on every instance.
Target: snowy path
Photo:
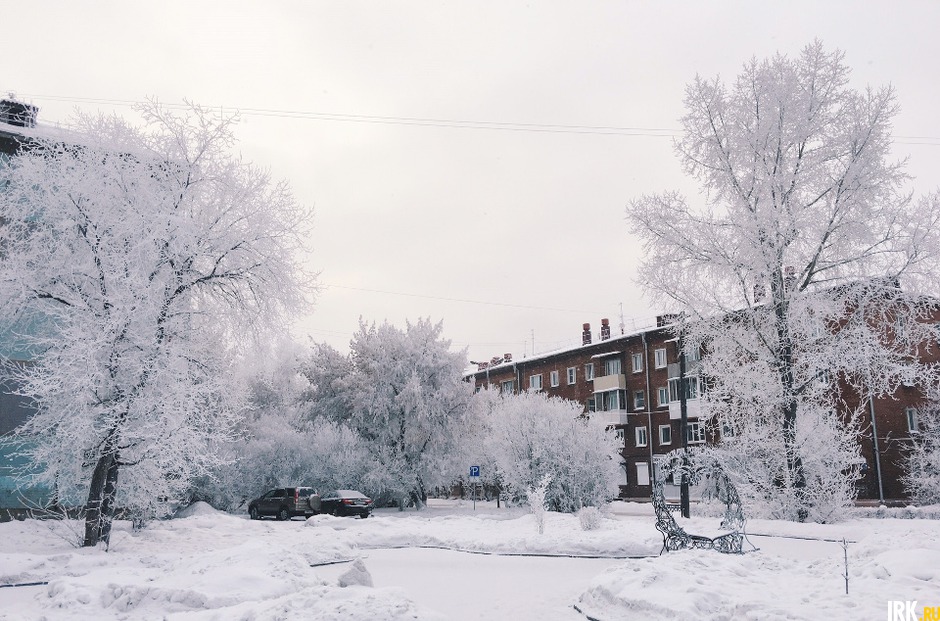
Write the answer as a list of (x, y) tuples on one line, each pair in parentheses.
[(470, 587)]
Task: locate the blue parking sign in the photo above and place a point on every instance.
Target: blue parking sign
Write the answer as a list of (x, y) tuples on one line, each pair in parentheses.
[(474, 472)]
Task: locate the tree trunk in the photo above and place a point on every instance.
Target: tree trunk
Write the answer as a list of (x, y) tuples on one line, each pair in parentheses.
[(99, 507), (785, 370)]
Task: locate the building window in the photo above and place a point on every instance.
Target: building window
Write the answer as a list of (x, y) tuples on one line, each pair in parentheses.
[(610, 400), (691, 388), (589, 371), (695, 432), (506, 387), (660, 358), (911, 415), (592, 405), (643, 473), (665, 434), (637, 363), (726, 430), (572, 375), (639, 400), (612, 366), (553, 378), (662, 396), (535, 382), (641, 439)]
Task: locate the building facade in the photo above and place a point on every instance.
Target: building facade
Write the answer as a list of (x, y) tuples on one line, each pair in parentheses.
[(17, 121), (631, 382)]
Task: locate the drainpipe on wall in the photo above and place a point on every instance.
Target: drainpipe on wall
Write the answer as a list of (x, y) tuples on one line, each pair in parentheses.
[(683, 430), (874, 438), (649, 408)]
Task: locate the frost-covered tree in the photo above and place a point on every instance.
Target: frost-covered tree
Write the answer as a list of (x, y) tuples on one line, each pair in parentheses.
[(403, 392), (922, 465), (277, 445), (788, 271), (143, 258), (530, 438)]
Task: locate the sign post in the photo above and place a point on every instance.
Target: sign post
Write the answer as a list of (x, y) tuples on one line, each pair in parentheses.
[(474, 478)]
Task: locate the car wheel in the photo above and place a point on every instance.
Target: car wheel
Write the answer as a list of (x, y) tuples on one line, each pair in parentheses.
[(364, 515), (283, 514), (253, 513), (337, 512)]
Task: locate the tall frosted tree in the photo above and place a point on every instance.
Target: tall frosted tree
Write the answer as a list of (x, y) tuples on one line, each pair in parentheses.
[(788, 271), (144, 258), (402, 390)]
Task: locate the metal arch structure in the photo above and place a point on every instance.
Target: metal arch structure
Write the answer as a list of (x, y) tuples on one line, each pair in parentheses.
[(698, 468)]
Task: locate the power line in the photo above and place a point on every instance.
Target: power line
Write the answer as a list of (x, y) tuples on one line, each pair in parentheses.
[(392, 120), (552, 128), (460, 300)]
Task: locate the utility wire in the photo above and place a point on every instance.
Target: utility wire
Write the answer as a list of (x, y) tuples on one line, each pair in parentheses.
[(553, 128), (461, 300), (390, 120)]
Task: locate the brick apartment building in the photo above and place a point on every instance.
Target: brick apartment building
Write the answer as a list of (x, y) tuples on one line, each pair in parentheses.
[(631, 382)]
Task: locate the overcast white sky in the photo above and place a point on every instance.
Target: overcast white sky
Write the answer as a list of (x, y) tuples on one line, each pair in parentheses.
[(444, 145)]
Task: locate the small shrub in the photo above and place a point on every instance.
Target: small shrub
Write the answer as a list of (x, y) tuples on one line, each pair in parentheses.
[(590, 518), (537, 497)]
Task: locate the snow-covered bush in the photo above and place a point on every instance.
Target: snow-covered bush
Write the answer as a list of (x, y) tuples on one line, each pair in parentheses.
[(529, 435), (755, 461), (590, 518), (537, 501), (922, 465), (279, 446)]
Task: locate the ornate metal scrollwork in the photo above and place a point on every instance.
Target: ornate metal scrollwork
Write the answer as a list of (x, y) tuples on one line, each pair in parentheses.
[(699, 468)]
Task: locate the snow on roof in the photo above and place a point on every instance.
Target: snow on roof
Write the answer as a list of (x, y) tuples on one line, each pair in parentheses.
[(564, 350)]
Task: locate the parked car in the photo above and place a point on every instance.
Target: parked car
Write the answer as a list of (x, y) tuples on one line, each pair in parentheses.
[(284, 503), (346, 502)]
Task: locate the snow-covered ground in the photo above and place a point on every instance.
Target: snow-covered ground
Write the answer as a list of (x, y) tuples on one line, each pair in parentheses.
[(453, 562)]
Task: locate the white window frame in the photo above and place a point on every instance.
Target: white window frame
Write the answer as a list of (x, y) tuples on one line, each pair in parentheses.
[(603, 400), (642, 473), (535, 381), (660, 358), (507, 386), (691, 388), (695, 432), (639, 400), (662, 396), (612, 366), (640, 437), (662, 436), (637, 363), (554, 379), (910, 416), (572, 375), (589, 371)]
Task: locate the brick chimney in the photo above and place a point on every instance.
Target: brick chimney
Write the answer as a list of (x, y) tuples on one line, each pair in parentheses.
[(586, 334), (605, 329)]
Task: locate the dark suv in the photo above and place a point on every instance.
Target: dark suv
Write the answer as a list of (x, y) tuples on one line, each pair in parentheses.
[(284, 503)]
